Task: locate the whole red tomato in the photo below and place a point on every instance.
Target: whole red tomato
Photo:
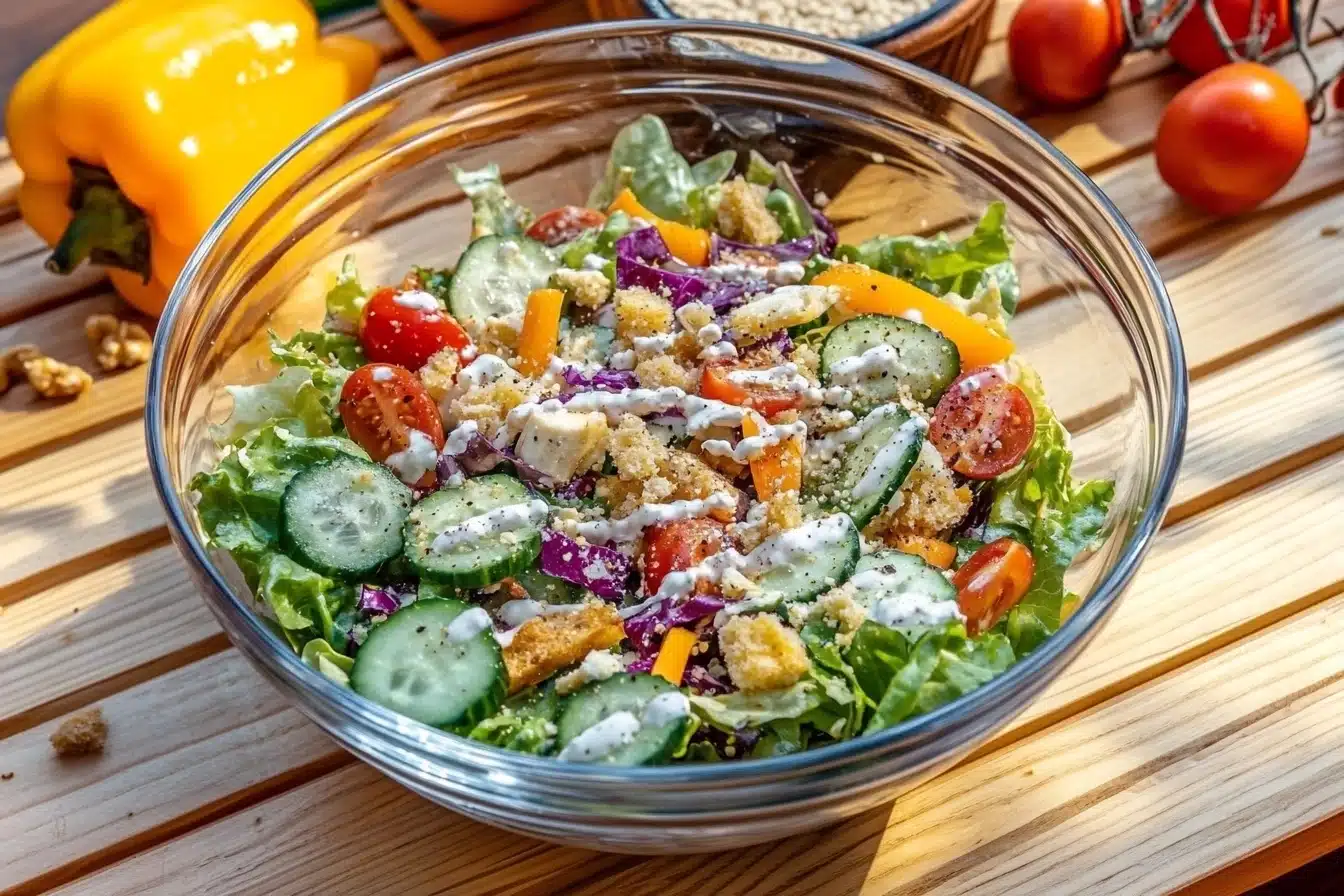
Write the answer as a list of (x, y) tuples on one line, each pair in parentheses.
[(1195, 48), (1064, 51), (1230, 139)]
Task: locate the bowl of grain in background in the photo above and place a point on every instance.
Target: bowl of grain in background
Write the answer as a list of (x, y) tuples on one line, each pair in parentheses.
[(944, 36)]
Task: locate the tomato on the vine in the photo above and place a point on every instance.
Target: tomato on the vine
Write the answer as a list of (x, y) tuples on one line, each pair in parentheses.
[(382, 405), (1232, 138), (983, 424), (1064, 51), (1196, 49), (560, 225), (406, 328), (677, 546), (992, 582), (715, 384)]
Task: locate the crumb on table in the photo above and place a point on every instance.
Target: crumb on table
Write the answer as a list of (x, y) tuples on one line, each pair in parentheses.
[(83, 734)]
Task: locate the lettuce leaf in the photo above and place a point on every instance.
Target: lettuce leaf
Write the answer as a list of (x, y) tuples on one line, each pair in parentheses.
[(1063, 519), (644, 158), (493, 211), (345, 299), (320, 655), (293, 399), (965, 267), (730, 712), (526, 723), (600, 241), (318, 350)]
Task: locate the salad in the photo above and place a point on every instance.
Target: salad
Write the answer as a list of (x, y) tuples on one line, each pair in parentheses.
[(669, 477)]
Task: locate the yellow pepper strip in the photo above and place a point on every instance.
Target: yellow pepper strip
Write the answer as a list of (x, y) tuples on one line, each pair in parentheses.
[(935, 552), (873, 292), (690, 244), (419, 38), (780, 466), (136, 130), (674, 654), (540, 332)]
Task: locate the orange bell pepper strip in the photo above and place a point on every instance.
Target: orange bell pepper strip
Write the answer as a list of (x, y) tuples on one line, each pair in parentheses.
[(935, 551), (690, 244), (872, 292), (540, 332), (779, 468), (674, 654)]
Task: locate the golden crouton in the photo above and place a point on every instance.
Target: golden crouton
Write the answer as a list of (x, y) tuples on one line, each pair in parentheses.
[(488, 405), (641, 313), (928, 502), (587, 288), (664, 370), (762, 654), (439, 373), (83, 734), (743, 214), (544, 645)]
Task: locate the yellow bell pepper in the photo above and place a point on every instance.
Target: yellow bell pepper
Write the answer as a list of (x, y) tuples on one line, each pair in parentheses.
[(674, 655), (690, 244), (780, 466), (135, 131), (541, 330)]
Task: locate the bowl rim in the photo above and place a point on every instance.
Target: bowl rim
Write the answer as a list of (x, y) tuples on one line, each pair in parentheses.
[(873, 39), (284, 666)]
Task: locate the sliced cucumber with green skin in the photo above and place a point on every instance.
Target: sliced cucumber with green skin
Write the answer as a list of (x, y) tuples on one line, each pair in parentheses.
[(595, 704), (906, 572), (423, 666), (874, 467), (826, 564), (495, 276), (926, 361), (484, 560), (344, 517)]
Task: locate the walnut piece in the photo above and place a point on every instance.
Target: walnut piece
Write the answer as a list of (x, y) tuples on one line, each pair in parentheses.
[(117, 344), (11, 364), (83, 734), (54, 379)]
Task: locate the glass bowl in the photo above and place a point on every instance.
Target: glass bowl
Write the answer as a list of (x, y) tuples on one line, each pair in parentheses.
[(901, 150)]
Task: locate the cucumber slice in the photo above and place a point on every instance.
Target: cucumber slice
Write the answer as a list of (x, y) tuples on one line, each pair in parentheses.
[(919, 358), (824, 554), (876, 465), (422, 665), (611, 722), (548, 589), (495, 276), (487, 557), (344, 517), (904, 572)]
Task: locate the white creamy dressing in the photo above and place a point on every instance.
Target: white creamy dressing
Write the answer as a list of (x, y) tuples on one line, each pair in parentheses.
[(415, 460), (623, 360), (906, 609), (654, 345), (831, 444), (786, 378), (914, 315), (786, 273), (417, 299), (598, 665), (709, 334), (468, 625), (509, 518), (701, 413), (593, 262), (783, 549), (383, 374), (484, 370), (665, 709), (620, 728), (460, 438), (874, 478), (876, 363), (628, 528), (751, 447), (719, 351), (515, 613)]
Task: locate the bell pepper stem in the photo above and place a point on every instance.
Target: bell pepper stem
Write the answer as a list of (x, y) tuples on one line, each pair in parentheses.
[(106, 228)]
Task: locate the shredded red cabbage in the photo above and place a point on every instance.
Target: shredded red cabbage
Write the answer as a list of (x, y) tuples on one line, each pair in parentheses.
[(578, 487), (800, 249), (780, 341), (601, 380), (384, 600), (635, 250), (824, 224), (601, 570), (645, 244), (643, 629)]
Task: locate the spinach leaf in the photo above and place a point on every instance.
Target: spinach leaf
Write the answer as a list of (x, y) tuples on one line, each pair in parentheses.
[(493, 211), (714, 169), (644, 156)]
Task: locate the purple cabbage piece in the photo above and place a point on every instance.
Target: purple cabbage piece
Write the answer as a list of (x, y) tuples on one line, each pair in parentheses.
[(740, 741), (681, 288), (824, 224), (447, 467), (601, 380), (645, 244), (800, 249), (780, 340), (579, 487), (601, 570), (643, 628), (482, 456), (383, 600)]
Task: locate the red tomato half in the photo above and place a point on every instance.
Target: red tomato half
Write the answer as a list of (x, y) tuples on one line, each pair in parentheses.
[(714, 383), (560, 225), (1230, 139), (677, 546), (1064, 51), (380, 405), (1195, 48), (406, 328), (992, 582), (983, 425)]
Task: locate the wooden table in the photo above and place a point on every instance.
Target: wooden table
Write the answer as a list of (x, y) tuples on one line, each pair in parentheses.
[(1198, 743)]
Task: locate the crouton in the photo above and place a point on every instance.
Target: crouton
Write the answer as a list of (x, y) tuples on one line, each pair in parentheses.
[(641, 313), (664, 370), (634, 451), (544, 645), (439, 373), (83, 734), (928, 502), (762, 654), (587, 288), (788, 306), (488, 404), (743, 214), (644, 468)]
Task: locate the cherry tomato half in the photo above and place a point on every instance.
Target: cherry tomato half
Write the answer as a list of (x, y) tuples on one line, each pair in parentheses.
[(560, 225), (983, 424), (406, 328), (1064, 51), (677, 546), (992, 582), (381, 404), (715, 384), (1195, 48), (1230, 139)]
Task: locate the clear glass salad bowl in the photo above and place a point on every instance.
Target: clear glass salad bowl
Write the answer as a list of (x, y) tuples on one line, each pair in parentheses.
[(898, 149)]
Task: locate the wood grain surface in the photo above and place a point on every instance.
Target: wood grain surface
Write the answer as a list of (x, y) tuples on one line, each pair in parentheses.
[(1195, 744)]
